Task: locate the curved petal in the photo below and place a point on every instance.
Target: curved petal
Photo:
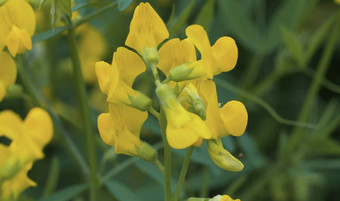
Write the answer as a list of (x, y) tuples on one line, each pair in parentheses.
[(8, 70), (175, 52), (106, 130), (199, 37), (207, 90), (39, 125), (129, 65), (10, 124), (107, 75), (235, 117), (146, 29), (226, 53)]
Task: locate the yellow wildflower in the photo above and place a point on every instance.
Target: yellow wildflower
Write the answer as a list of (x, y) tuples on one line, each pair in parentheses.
[(116, 80), (92, 47), (121, 128), (8, 73), (183, 128), (28, 138), (221, 57), (147, 30), (17, 25), (223, 198)]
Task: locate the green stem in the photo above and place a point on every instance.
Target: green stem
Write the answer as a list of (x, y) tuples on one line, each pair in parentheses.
[(154, 112), (167, 158), (183, 173), (83, 101), (313, 91), (159, 165)]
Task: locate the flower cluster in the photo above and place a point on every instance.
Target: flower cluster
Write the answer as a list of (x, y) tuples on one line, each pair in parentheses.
[(187, 96), (17, 25), (27, 139)]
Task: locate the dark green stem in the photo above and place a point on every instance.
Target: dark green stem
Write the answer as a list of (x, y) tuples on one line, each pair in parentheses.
[(85, 111)]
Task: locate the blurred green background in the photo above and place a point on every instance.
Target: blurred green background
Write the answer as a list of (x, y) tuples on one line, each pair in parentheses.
[(287, 75)]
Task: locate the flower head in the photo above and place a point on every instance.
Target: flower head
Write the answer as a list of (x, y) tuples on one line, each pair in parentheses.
[(8, 73), (28, 138), (116, 79), (17, 25), (121, 128)]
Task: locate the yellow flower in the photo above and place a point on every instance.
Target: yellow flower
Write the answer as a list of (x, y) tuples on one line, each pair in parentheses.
[(17, 25), (92, 47), (221, 57), (116, 80), (183, 128), (28, 138), (147, 30), (8, 73), (223, 198), (121, 128)]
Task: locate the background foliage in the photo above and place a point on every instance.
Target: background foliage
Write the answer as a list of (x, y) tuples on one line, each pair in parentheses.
[(287, 76)]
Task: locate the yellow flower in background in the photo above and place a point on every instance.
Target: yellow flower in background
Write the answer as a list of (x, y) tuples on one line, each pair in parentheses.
[(121, 128), (183, 128), (17, 25), (147, 29), (223, 198), (8, 73), (92, 47), (116, 79), (28, 138), (221, 57)]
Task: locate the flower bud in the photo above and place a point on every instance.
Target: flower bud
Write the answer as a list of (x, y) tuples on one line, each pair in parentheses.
[(192, 101), (146, 152), (150, 55), (221, 157), (187, 71)]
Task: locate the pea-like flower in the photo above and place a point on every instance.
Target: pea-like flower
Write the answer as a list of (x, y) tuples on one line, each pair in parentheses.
[(8, 73), (17, 25), (116, 79), (121, 128), (28, 138)]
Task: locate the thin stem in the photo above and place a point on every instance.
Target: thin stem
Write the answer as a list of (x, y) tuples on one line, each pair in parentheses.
[(167, 158), (83, 100), (159, 165), (183, 173), (155, 74), (154, 112)]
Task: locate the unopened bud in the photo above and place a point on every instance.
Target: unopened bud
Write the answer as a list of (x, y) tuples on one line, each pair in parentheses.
[(187, 71), (150, 55), (221, 157)]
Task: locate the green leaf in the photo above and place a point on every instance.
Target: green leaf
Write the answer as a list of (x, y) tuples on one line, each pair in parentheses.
[(48, 34), (175, 23), (206, 15), (293, 45), (67, 193), (323, 146), (85, 5), (239, 23), (287, 17), (42, 2), (66, 7), (151, 170), (54, 12), (120, 191), (123, 4)]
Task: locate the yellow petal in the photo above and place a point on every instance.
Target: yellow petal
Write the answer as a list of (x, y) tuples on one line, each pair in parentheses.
[(2, 91), (207, 90), (39, 125), (129, 65), (226, 53), (106, 131), (107, 75), (10, 124), (134, 119), (174, 53), (199, 37), (146, 29), (12, 43), (8, 70), (235, 117), (121, 93)]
